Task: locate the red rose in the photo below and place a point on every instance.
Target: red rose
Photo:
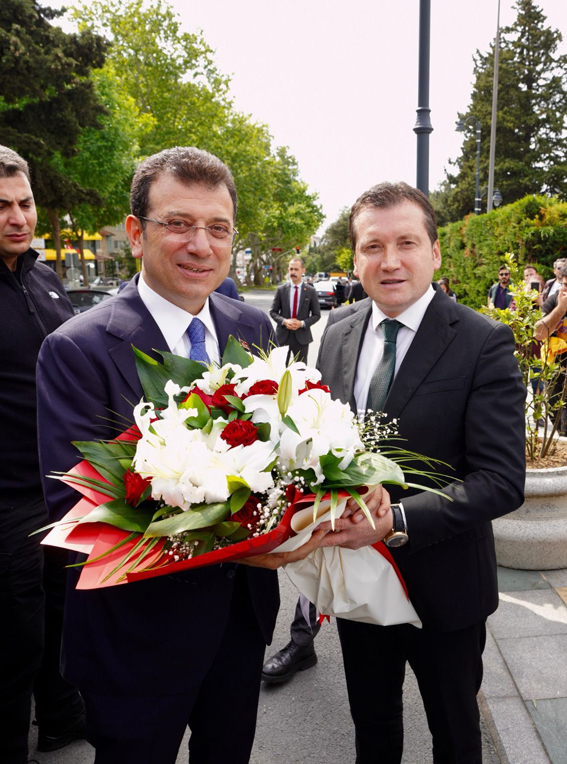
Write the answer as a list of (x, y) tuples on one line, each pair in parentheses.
[(264, 387), (313, 386), (240, 432), (219, 400), (246, 516), (135, 486), (207, 399)]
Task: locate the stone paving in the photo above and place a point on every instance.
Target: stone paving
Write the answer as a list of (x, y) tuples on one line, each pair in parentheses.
[(524, 694)]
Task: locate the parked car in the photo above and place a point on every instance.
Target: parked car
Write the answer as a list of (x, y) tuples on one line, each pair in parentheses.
[(83, 299), (325, 293)]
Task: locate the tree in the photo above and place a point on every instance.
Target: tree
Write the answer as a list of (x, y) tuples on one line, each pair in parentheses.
[(171, 76), (106, 159), (334, 250), (531, 152), (46, 99)]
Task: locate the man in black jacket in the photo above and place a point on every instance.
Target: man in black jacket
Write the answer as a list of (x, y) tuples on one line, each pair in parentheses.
[(32, 304)]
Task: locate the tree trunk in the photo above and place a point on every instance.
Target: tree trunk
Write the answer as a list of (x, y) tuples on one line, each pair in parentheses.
[(53, 215), (80, 239)]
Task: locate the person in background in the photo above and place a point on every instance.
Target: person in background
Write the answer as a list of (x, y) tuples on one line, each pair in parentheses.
[(228, 288), (444, 284), (535, 282), (295, 309), (33, 303), (499, 294), (553, 285)]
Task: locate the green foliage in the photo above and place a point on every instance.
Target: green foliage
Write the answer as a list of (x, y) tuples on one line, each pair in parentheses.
[(535, 228), (334, 250), (171, 78), (534, 362), (46, 95), (531, 152)]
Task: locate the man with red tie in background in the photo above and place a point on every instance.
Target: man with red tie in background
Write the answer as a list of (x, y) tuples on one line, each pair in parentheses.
[(295, 309)]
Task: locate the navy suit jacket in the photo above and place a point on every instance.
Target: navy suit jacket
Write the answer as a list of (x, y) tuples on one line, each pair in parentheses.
[(152, 637), (458, 396)]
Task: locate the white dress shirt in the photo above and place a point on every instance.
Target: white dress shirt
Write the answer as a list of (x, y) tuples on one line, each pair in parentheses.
[(174, 322), (373, 344)]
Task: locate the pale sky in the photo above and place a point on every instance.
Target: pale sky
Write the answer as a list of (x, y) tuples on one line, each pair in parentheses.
[(336, 81)]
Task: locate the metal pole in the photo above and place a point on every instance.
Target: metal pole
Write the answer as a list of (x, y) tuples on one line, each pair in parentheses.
[(477, 177), (494, 108), (423, 125)]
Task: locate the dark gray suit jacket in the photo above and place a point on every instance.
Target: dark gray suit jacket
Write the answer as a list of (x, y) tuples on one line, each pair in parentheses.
[(308, 310), (458, 396)]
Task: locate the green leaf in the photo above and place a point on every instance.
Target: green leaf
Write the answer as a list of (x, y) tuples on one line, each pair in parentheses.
[(204, 545), (226, 529), (288, 421), (207, 515), (106, 456), (182, 371), (284, 394), (240, 534), (235, 353), (153, 377), (203, 415), (121, 515), (235, 403), (235, 482), (239, 498), (264, 431), (115, 492)]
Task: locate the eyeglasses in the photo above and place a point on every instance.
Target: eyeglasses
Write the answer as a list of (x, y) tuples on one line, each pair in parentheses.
[(186, 231), (502, 273)]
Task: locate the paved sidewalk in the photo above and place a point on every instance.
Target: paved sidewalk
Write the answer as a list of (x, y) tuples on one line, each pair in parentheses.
[(524, 693)]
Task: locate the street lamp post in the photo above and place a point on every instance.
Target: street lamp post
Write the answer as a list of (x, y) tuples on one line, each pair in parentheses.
[(423, 126), (460, 128)]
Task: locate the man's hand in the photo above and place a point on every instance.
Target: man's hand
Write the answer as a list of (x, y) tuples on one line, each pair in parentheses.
[(277, 559), (292, 323), (354, 531)]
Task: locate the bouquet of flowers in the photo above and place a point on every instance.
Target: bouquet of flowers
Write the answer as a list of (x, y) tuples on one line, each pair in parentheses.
[(221, 463)]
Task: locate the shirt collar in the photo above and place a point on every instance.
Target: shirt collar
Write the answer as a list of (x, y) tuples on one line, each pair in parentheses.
[(172, 320), (412, 317)]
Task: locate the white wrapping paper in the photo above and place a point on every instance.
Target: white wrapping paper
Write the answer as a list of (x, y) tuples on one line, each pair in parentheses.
[(357, 584)]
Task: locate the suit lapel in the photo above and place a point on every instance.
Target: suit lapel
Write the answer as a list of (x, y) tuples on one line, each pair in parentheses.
[(352, 338), (229, 319), (434, 335), (131, 322)]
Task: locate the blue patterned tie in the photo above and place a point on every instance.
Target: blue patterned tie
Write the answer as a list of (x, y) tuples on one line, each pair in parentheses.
[(384, 374), (196, 332)]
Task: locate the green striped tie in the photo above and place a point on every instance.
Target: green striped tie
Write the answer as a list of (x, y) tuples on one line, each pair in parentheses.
[(382, 378)]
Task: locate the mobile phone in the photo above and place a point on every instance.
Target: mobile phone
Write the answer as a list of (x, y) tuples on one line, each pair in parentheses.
[(535, 285)]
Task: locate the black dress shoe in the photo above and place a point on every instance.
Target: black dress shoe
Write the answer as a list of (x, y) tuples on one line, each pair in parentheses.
[(75, 730), (288, 661)]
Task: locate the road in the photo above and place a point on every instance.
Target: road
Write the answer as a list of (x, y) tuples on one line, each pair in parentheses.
[(306, 721)]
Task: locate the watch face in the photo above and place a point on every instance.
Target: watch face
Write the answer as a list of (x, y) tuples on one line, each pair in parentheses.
[(396, 539)]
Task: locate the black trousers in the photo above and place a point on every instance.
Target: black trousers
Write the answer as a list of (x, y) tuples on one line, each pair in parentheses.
[(220, 710), (32, 590), (448, 668), (296, 349), (305, 625)]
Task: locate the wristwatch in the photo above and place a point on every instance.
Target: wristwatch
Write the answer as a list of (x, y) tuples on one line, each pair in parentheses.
[(398, 536)]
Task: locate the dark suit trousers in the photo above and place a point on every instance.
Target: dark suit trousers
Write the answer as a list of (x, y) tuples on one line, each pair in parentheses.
[(220, 710), (448, 668), (31, 603), (296, 349)]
